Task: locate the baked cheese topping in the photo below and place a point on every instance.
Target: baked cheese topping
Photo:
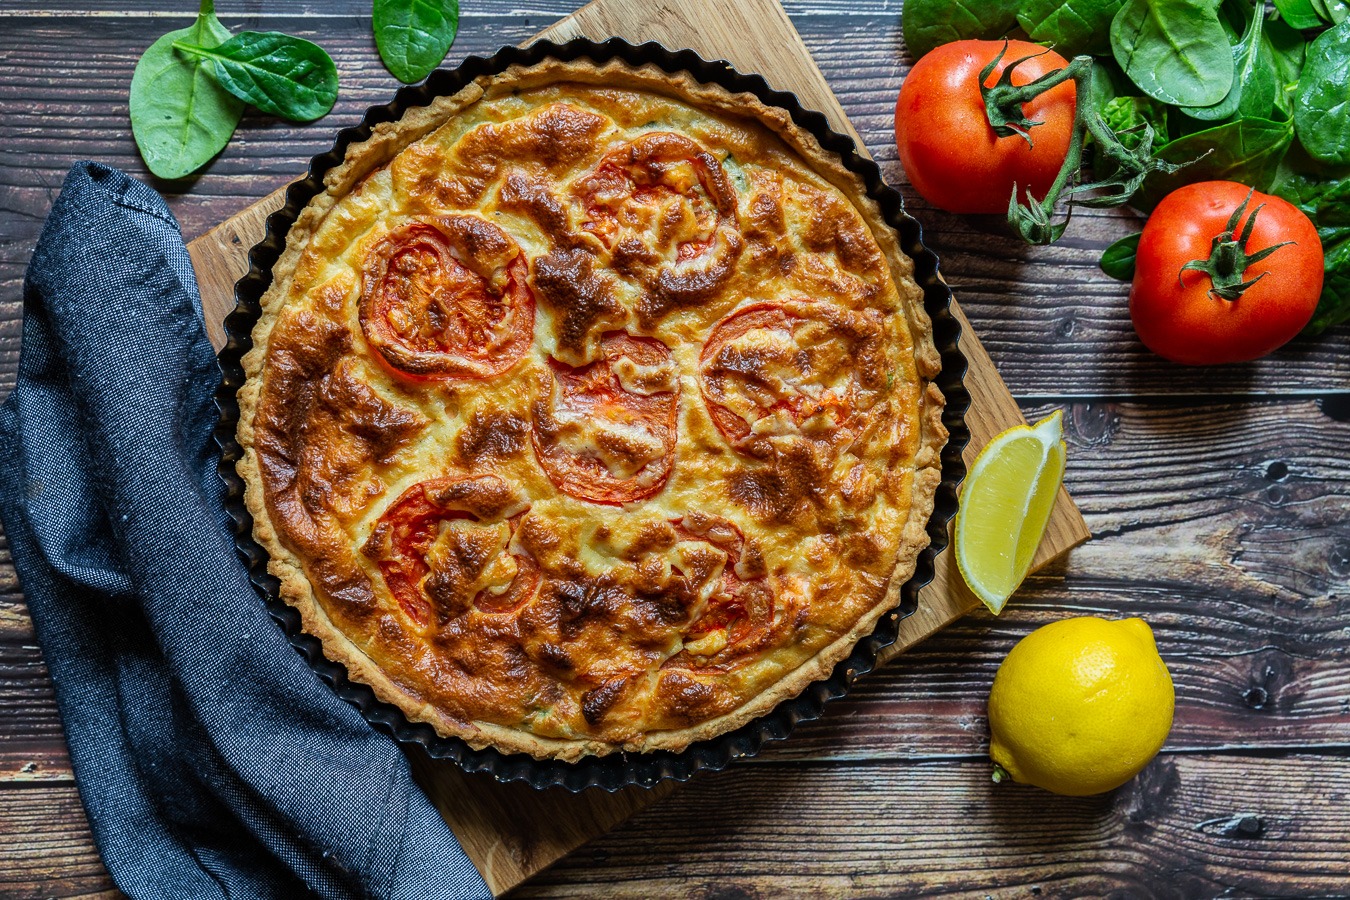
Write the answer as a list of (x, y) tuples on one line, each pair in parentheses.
[(592, 416)]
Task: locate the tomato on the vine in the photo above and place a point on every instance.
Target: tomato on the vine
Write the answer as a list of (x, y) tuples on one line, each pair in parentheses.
[(1224, 274), (947, 145)]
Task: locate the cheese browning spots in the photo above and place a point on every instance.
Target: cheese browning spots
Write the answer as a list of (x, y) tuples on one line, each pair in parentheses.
[(592, 416)]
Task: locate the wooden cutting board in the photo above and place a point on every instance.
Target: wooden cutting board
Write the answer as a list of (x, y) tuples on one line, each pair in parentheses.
[(511, 831)]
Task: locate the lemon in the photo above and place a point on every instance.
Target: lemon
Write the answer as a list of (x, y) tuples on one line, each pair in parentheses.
[(1080, 705), (1005, 505)]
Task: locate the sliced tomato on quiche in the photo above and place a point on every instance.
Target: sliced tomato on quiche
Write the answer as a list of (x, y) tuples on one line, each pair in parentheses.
[(733, 615), (447, 298), (605, 432), (788, 369), (444, 549), (663, 186)]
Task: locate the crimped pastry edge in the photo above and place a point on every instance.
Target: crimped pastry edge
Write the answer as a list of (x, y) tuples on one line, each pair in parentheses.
[(386, 141)]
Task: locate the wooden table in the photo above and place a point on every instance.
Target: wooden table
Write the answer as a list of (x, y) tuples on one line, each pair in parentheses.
[(1217, 499)]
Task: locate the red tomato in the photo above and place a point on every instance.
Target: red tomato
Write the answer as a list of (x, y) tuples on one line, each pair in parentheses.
[(743, 608), (588, 414), (736, 383), (402, 539), (635, 186), (435, 304), (951, 154), (1175, 312)]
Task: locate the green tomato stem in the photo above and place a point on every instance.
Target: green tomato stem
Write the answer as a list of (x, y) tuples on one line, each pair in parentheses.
[(1034, 222), (1003, 101), (1228, 257)]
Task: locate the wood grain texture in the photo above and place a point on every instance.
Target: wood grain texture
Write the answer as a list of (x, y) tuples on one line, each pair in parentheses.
[(1053, 323), (508, 834), (1200, 826), (1204, 825), (512, 831), (46, 846)]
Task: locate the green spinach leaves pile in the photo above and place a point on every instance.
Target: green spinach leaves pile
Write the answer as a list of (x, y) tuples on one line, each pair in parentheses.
[(1233, 89), (191, 86)]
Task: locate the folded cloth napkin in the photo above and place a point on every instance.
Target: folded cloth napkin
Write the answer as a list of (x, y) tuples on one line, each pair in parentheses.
[(211, 760)]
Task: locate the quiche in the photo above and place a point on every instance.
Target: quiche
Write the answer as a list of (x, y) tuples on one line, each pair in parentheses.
[(590, 409)]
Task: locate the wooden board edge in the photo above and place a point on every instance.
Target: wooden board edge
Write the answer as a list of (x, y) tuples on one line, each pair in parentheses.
[(470, 804), (221, 256)]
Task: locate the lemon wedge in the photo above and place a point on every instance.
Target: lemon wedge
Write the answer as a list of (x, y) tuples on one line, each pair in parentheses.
[(1005, 505)]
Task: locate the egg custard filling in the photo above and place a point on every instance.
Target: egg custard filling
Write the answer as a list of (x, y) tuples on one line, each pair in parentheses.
[(591, 409)]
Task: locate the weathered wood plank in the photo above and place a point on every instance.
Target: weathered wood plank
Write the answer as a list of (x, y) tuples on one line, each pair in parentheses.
[(46, 846), (1055, 325), (1190, 826), (235, 16), (1232, 543), (32, 743)]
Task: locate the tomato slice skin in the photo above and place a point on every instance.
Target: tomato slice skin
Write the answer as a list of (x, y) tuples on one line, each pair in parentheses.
[(950, 152), (405, 533), (1173, 311), (718, 365), (644, 172), (743, 608), (594, 392), (447, 298)]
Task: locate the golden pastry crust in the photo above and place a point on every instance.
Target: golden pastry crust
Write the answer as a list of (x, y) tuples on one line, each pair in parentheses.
[(591, 409)]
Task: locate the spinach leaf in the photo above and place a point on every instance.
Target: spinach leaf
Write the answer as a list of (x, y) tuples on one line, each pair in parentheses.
[(930, 23), (413, 36), (1333, 11), (1322, 193), (1332, 216), (1299, 14), (1246, 77), (1125, 115), (1333, 307), (1247, 151), (1072, 26), (180, 116), (1118, 259), (1262, 93), (1106, 82), (1176, 51), (279, 74), (1322, 107), (1285, 48), (1304, 182)]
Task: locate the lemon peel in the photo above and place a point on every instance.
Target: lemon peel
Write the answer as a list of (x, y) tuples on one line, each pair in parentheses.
[(1006, 503), (1080, 706)]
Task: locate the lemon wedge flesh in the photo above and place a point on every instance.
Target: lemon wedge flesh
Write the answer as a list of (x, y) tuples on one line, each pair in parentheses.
[(1005, 506)]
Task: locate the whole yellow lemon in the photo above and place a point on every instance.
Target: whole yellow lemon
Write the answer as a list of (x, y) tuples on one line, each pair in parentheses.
[(1080, 705)]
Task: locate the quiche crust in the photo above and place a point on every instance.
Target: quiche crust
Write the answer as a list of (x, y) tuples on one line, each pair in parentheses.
[(739, 556)]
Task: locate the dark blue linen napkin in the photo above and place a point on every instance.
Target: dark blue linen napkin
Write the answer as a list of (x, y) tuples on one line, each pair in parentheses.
[(211, 760)]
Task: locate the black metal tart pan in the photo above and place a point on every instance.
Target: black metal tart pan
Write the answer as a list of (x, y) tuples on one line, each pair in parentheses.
[(616, 770)]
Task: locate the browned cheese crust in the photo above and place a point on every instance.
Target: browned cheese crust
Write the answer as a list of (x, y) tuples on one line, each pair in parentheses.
[(591, 409)]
